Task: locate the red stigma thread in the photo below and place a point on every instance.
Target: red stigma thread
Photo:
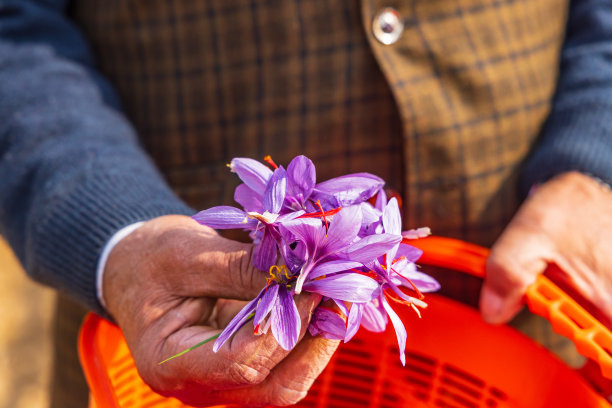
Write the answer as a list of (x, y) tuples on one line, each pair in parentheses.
[(321, 213), (268, 159), (414, 287), (318, 203)]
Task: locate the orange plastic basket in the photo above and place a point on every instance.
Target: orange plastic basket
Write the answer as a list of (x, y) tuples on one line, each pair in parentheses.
[(454, 359)]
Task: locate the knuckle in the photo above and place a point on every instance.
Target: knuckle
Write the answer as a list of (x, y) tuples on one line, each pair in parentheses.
[(247, 374)]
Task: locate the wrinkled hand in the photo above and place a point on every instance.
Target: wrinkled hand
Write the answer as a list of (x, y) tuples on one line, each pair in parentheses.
[(173, 283), (566, 222)]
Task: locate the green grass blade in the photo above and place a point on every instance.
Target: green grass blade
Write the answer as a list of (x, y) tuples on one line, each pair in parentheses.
[(249, 317), (189, 349)]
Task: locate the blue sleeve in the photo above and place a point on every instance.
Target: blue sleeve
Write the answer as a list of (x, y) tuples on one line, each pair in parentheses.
[(71, 170), (578, 132)]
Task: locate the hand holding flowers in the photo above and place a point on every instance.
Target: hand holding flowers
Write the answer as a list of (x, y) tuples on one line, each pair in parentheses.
[(173, 283)]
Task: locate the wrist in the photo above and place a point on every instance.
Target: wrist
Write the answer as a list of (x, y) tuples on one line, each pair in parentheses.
[(108, 248)]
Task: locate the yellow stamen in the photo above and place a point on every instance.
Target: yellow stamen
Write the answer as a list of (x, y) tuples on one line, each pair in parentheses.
[(276, 272)]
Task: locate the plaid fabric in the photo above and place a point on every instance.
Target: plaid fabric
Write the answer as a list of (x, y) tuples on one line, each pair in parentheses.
[(465, 92), (458, 103), (205, 81), (473, 80)]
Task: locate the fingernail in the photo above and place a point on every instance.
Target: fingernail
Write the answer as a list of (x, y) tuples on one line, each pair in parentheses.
[(491, 306)]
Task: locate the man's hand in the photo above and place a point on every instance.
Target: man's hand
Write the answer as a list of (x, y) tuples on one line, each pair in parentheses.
[(566, 222), (173, 283)]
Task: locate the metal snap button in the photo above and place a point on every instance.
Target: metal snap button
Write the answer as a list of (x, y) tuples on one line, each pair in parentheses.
[(387, 26)]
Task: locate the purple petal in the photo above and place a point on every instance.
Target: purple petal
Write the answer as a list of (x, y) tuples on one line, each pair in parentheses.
[(424, 282), (248, 199), (391, 285), (301, 176), (349, 189), (342, 306), (343, 229), (303, 274), (392, 223), (409, 252), (308, 230), (290, 216), (254, 174), (327, 324), (381, 200), (391, 218), (285, 320), (350, 287), (400, 330), (264, 253), (370, 220), (275, 191), (265, 305), (293, 254), (328, 268), (236, 323), (224, 217), (374, 317), (371, 247), (354, 320)]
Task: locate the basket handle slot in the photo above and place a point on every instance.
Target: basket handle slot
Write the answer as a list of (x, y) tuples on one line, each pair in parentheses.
[(544, 298)]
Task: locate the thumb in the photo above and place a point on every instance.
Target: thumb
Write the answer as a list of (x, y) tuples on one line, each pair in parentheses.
[(232, 274), (514, 263), (192, 260)]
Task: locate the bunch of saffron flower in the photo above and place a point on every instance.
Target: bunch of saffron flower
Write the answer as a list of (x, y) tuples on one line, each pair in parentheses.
[(325, 238)]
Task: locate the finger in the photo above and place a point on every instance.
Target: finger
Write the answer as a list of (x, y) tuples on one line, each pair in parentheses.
[(516, 259), (226, 270), (290, 380), (245, 360)]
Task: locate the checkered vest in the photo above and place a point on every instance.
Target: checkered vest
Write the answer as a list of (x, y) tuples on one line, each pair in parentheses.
[(446, 114)]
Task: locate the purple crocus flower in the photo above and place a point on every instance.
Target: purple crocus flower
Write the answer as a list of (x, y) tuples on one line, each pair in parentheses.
[(340, 240)]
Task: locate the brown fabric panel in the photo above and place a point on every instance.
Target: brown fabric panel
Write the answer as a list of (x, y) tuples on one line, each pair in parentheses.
[(473, 80)]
